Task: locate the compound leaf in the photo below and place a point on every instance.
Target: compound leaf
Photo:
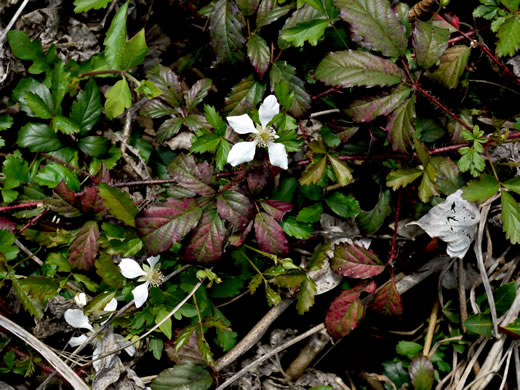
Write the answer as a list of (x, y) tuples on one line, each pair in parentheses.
[(235, 208), (191, 175), (225, 26), (84, 248)]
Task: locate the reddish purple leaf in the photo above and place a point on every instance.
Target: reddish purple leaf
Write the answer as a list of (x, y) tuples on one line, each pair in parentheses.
[(346, 310), (421, 372), (355, 262), (64, 201), (206, 244), (276, 208), (256, 180), (239, 238), (7, 224), (235, 208), (103, 176), (91, 202), (84, 247), (167, 223), (191, 175), (387, 301), (270, 235)]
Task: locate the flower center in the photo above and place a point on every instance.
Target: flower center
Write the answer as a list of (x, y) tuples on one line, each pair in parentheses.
[(264, 136), (155, 277)]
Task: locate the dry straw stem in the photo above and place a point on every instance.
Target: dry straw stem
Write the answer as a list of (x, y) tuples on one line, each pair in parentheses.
[(65, 371)]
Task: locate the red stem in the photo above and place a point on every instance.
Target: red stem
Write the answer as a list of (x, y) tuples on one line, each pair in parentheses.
[(25, 205), (32, 221), (333, 89)]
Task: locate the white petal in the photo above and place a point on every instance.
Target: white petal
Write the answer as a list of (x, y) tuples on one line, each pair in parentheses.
[(97, 352), (130, 268), (241, 153), (153, 260), (140, 294), (268, 110), (77, 319), (77, 341), (277, 155), (81, 299), (129, 347), (242, 124), (111, 306)]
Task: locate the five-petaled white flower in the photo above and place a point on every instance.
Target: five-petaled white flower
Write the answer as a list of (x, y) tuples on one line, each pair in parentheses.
[(150, 275), (263, 136)]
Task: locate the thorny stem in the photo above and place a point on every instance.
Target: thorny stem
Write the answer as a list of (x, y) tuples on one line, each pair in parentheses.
[(25, 205), (32, 221), (144, 182), (442, 107), (321, 94)]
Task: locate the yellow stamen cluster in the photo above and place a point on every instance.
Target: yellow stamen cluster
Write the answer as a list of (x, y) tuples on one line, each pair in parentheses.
[(264, 136)]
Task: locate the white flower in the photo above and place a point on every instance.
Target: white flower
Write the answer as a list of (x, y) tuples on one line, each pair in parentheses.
[(263, 135), (77, 319), (80, 299), (150, 275)]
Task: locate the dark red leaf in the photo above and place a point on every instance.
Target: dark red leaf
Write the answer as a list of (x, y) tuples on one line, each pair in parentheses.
[(191, 175), (387, 301), (63, 201), (206, 244), (270, 235), (276, 208), (235, 208), (84, 247), (256, 180), (346, 310), (238, 239), (103, 176), (91, 202), (355, 262), (167, 223), (7, 224)]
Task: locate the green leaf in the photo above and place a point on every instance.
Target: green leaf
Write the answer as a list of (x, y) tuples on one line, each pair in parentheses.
[(512, 329), (60, 80), (284, 94), (222, 154), (351, 68), (192, 175), (7, 248), (309, 31), (115, 39), (383, 103), (87, 5), (244, 96), (118, 203), (65, 125), (480, 324), (448, 178), (148, 89), (99, 302), (297, 229), (341, 170), (40, 105), (84, 248), (471, 161), (226, 339), (452, 65), (166, 327), (402, 177), (422, 373), (371, 221), (169, 128), (400, 125), (504, 297), (204, 141), (215, 120), (25, 49), (269, 11), (118, 99), (94, 145), (480, 190), (156, 346), (374, 25), (108, 271), (308, 290), (345, 206), (429, 42), (15, 169), (408, 349), (87, 107), (6, 121), (248, 7), (513, 184), (314, 172), (225, 26), (281, 71), (38, 137), (34, 292), (53, 173), (423, 154), (487, 10), (183, 376), (258, 53), (134, 51), (428, 187), (511, 5), (509, 37), (510, 217), (310, 214)]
